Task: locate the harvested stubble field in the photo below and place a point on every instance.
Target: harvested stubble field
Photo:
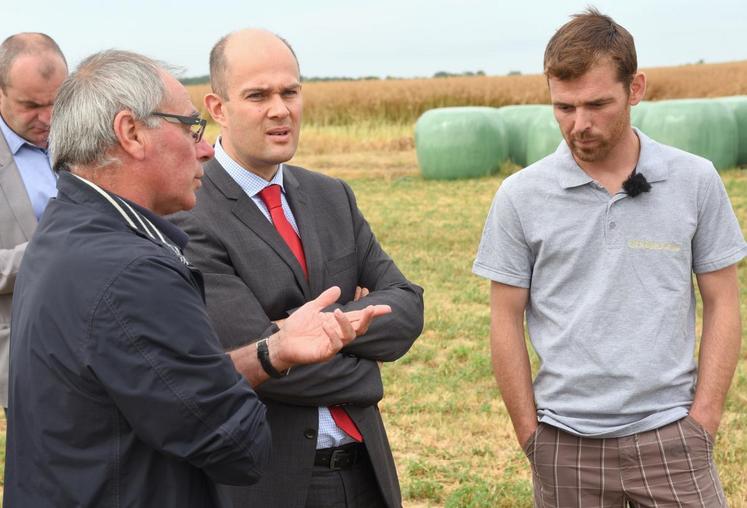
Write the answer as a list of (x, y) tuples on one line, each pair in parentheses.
[(452, 438)]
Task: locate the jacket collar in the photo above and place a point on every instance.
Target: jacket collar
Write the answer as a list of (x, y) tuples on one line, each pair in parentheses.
[(247, 212), (139, 219)]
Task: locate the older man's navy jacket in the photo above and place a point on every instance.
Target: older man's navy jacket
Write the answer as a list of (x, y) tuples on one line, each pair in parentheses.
[(120, 393)]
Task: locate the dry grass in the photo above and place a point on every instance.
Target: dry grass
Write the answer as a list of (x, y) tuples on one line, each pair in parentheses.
[(403, 101), (345, 139)]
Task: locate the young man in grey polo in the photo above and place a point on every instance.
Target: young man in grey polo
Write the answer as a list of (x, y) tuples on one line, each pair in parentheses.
[(597, 244)]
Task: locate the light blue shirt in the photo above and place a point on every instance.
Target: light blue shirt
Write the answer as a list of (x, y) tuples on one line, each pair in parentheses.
[(35, 168), (329, 434)]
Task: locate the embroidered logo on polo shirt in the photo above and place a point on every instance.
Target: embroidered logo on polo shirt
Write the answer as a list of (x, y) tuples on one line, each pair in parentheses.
[(649, 245)]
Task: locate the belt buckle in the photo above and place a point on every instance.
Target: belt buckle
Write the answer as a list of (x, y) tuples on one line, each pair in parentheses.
[(340, 459)]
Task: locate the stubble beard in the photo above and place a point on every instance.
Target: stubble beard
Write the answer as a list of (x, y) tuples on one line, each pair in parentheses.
[(604, 146), (593, 153)]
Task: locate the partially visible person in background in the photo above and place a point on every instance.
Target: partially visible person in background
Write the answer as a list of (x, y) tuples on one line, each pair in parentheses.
[(32, 68)]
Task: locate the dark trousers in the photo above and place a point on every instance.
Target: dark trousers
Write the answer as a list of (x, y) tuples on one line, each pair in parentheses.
[(348, 488)]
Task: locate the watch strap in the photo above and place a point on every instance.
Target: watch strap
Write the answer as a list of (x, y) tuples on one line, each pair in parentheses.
[(263, 353)]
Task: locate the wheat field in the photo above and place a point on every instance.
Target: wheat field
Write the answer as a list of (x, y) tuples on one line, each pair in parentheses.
[(401, 102), (379, 115)]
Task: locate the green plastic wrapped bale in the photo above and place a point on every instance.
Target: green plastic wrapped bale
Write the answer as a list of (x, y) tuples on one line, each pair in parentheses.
[(517, 120), (705, 127), (544, 136), (738, 106), (637, 113), (456, 143)]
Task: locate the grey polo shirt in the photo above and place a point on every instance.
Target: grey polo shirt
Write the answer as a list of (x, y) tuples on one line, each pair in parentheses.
[(611, 309)]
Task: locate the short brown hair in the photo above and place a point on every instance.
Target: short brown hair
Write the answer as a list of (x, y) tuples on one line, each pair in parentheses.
[(25, 44), (218, 67), (586, 40)]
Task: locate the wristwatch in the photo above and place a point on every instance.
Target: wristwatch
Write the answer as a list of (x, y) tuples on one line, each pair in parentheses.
[(263, 353)]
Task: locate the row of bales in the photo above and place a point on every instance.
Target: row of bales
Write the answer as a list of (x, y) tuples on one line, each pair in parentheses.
[(470, 142)]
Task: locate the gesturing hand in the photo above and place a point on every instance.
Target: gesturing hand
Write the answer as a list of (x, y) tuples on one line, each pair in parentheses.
[(310, 335)]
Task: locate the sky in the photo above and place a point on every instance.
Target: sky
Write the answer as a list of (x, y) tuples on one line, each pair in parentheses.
[(381, 38)]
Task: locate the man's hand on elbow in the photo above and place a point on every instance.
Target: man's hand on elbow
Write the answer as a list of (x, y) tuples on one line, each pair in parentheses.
[(360, 292)]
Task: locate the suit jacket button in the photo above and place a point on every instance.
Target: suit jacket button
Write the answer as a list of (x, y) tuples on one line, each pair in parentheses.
[(309, 433)]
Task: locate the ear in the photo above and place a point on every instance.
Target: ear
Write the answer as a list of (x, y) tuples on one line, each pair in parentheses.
[(130, 134), (214, 105), (637, 88)]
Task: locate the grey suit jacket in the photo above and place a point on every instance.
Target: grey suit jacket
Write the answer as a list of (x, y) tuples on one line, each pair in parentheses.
[(252, 279), (17, 224)]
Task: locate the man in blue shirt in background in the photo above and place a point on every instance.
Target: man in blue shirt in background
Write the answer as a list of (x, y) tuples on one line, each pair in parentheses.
[(32, 68)]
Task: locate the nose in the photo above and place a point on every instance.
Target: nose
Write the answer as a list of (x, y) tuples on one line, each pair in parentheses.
[(277, 107), (582, 121), (45, 115), (204, 151)]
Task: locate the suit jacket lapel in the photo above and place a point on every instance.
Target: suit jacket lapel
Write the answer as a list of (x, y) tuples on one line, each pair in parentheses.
[(303, 212), (247, 212), (15, 191)]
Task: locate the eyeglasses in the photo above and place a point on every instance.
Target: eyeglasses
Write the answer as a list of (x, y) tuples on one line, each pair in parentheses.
[(195, 123)]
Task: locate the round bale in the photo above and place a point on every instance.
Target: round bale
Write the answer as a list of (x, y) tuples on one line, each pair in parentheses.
[(738, 106), (466, 142), (517, 120), (544, 135), (637, 113), (705, 127)]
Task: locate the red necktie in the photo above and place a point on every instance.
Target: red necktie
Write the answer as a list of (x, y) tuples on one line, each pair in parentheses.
[(271, 197), (343, 420)]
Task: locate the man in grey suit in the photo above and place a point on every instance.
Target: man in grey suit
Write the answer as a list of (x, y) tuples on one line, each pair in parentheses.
[(269, 237), (32, 68)]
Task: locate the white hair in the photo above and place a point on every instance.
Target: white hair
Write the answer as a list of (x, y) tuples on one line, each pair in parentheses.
[(82, 127)]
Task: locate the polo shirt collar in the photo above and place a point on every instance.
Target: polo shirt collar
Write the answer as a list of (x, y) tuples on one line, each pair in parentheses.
[(649, 164), (569, 172), (650, 161)]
